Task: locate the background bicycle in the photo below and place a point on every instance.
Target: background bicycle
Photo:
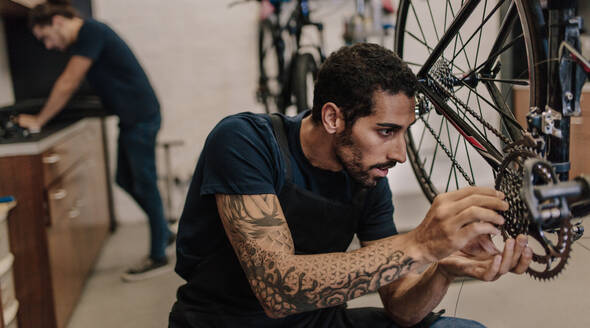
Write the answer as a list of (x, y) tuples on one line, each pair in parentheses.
[(288, 57), (471, 57)]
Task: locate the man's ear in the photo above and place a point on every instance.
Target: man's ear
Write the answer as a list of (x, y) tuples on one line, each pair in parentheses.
[(332, 118)]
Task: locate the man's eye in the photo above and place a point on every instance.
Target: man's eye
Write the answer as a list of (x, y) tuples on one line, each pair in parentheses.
[(386, 132)]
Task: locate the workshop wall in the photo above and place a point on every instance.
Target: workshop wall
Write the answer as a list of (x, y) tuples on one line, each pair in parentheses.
[(200, 58)]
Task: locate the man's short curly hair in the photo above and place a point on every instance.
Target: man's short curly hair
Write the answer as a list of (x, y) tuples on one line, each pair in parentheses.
[(351, 75), (42, 14)]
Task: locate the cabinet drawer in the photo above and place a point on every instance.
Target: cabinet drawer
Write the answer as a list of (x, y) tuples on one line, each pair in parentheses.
[(63, 196), (59, 158)]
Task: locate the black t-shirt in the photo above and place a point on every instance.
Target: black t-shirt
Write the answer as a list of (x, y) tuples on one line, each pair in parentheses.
[(242, 156), (115, 74)]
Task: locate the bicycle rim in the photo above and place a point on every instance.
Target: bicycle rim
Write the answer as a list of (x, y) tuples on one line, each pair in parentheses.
[(443, 158)]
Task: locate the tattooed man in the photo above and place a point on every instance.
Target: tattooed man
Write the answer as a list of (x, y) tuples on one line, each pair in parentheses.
[(275, 202)]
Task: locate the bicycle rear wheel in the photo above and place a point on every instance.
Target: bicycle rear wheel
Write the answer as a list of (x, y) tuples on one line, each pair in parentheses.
[(467, 80), (270, 64)]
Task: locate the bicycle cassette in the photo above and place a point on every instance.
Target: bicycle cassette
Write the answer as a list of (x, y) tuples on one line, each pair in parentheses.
[(551, 233)]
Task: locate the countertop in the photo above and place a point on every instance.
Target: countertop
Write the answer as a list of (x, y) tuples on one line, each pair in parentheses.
[(39, 142)]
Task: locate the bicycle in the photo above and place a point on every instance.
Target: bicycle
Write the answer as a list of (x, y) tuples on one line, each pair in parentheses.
[(466, 133), (370, 21), (287, 65)]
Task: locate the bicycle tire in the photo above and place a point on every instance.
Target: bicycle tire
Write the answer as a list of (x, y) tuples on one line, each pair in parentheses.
[(270, 66), (422, 159), (306, 71)]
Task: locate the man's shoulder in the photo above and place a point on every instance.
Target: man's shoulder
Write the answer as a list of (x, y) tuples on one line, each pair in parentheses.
[(245, 122)]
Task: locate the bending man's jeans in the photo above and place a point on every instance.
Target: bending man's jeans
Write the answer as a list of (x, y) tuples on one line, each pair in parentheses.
[(136, 174)]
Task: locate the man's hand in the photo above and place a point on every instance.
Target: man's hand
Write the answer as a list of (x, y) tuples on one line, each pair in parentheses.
[(456, 218), (30, 122), (480, 259)]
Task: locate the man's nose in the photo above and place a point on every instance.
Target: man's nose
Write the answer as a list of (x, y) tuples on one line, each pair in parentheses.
[(397, 151)]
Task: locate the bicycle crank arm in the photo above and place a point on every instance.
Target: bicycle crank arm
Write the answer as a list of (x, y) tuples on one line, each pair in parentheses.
[(549, 202)]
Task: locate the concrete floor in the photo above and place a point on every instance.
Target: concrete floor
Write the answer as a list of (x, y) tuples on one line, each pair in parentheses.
[(512, 301)]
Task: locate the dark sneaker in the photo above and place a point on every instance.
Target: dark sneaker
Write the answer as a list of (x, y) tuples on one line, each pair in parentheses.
[(146, 269)]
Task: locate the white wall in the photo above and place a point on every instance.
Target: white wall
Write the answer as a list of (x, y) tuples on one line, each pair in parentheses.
[(6, 91), (200, 57)]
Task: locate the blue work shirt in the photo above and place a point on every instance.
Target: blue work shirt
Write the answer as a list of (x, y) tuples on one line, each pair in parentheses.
[(116, 74)]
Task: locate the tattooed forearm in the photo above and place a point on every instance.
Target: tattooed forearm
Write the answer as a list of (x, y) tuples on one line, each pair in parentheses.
[(285, 283), (258, 217)]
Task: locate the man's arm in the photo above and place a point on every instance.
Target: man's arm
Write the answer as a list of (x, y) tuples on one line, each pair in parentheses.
[(66, 84), (408, 300), (286, 283)]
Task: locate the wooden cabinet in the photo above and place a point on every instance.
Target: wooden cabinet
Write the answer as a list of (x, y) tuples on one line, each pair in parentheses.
[(61, 221)]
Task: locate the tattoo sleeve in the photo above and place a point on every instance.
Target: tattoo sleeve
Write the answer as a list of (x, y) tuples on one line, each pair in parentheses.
[(286, 283)]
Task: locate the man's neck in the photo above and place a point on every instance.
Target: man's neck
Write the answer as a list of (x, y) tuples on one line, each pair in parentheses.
[(318, 146)]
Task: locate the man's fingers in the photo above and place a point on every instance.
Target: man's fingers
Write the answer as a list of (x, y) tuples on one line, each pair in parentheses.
[(477, 214), (475, 229), (464, 192), (484, 201), (519, 246), (488, 245), (524, 261), (492, 271), (507, 256)]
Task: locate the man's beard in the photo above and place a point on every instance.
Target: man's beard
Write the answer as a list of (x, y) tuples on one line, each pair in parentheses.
[(352, 163)]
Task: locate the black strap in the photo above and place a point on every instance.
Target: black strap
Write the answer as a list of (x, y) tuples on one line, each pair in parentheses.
[(278, 126), (279, 130)]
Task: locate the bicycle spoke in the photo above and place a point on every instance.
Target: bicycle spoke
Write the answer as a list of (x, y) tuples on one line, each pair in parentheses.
[(481, 25), (418, 22), (419, 41), (432, 19)]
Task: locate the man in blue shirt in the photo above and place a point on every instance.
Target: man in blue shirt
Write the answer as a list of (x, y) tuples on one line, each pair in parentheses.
[(275, 202), (103, 58)]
